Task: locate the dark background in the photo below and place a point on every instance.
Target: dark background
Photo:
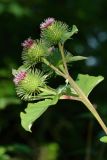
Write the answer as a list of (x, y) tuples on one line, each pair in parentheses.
[(66, 131)]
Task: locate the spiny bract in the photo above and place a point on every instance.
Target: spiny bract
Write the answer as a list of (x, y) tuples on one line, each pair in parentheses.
[(34, 54), (55, 33), (31, 84)]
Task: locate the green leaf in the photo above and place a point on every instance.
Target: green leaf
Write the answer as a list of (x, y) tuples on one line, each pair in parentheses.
[(87, 83), (74, 30), (34, 111), (103, 139), (66, 90), (70, 58), (70, 34), (14, 72), (54, 58)]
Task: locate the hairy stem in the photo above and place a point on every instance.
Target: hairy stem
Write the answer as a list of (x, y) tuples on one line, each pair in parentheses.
[(80, 93)]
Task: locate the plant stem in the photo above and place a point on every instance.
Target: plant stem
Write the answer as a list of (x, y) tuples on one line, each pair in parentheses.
[(54, 68), (63, 58), (70, 97), (87, 103), (80, 93)]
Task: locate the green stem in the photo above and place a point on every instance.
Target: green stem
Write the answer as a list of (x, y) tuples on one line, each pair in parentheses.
[(63, 58), (54, 68), (70, 97), (81, 94)]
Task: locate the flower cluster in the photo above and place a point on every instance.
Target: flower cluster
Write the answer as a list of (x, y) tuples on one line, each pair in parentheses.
[(30, 82)]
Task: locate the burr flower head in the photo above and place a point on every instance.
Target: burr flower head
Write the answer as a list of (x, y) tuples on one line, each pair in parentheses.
[(19, 77), (55, 33), (34, 54), (28, 83), (48, 22), (27, 43)]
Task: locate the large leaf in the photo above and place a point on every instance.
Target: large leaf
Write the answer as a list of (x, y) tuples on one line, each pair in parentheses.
[(87, 83), (34, 111)]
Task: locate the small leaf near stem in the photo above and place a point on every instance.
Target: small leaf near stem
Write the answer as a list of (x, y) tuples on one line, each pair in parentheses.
[(81, 94)]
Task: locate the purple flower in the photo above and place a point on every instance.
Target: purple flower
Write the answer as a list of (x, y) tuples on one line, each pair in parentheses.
[(19, 77), (27, 43), (48, 22)]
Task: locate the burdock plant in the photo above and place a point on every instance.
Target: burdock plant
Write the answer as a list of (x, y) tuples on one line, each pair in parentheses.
[(32, 83)]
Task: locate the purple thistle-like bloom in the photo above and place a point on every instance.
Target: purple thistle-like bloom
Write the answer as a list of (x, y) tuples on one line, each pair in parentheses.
[(48, 22), (27, 43), (19, 77)]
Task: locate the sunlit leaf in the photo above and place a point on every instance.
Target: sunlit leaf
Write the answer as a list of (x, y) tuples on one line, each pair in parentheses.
[(70, 34), (70, 58), (103, 139), (74, 30), (87, 83), (34, 111)]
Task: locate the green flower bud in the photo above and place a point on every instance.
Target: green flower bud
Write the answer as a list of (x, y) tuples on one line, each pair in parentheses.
[(29, 84), (55, 33), (34, 54)]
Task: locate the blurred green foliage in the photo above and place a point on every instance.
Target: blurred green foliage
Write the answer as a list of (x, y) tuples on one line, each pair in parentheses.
[(66, 127)]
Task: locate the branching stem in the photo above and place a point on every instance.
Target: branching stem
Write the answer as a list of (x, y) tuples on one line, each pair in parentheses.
[(80, 93), (54, 68), (81, 96)]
